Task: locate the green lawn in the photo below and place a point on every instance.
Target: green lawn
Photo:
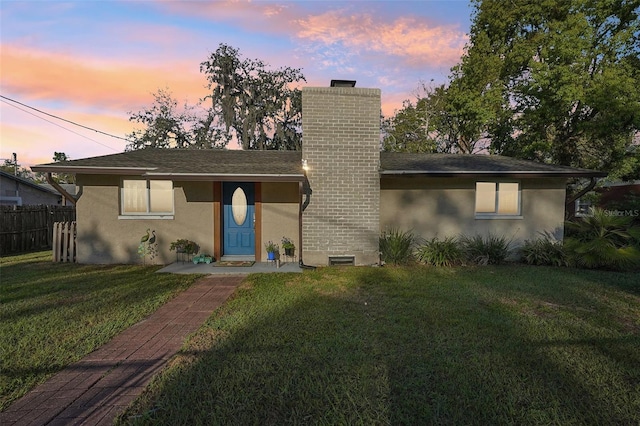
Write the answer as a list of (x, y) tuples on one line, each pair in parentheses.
[(488, 345), (53, 314)]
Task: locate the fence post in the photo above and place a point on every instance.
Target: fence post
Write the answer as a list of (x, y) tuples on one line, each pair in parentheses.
[(65, 241), (56, 241)]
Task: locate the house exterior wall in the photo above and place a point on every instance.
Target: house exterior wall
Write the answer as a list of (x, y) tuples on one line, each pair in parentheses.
[(280, 214), (441, 207), (341, 143), (103, 238)]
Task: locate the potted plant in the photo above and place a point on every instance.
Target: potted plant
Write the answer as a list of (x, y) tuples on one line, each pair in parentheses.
[(184, 246), (288, 246), (272, 248)]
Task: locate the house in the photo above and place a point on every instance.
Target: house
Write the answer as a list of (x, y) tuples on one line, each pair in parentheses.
[(333, 198), (17, 191), (618, 192), (69, 188)]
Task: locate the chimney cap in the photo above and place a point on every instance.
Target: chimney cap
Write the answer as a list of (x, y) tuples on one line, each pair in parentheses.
[(343, 83)]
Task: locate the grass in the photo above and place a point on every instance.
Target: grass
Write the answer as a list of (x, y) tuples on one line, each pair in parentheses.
[(54, 314), (506, 344)]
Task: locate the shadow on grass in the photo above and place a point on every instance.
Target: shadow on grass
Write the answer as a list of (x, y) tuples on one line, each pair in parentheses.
[(53, 314), (385, 346)]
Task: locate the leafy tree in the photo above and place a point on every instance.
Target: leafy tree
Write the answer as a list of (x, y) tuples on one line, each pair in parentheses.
[(257, 106), (248, 103), (62, 177), (14, 168), (567, 72), (451, 119), (410, 129), (166, 125)]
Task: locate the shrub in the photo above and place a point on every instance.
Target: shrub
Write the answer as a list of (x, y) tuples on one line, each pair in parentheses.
[(490, 250), (544, 251), (447, 252), (396, 246), (603, 241), (185, 246), (629, 206)]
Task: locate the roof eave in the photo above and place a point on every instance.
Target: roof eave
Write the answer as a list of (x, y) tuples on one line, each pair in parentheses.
[(493, 173), (235, 177), (95, 170)]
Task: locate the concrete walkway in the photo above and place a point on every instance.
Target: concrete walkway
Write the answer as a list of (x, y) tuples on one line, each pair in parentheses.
[(94, 390)]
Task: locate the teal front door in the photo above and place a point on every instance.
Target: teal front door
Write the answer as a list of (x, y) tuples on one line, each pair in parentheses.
[(238, 218)]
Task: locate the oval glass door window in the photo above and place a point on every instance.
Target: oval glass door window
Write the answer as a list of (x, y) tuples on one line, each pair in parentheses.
[(239, 206)]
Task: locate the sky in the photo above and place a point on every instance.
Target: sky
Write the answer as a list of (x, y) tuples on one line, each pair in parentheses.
[(95, 62)]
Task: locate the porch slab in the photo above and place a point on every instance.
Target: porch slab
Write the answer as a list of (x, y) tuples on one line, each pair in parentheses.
[(212, 269)]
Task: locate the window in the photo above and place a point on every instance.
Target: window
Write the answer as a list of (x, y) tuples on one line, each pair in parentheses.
[(146, 197), (497, 199), (583, 207)]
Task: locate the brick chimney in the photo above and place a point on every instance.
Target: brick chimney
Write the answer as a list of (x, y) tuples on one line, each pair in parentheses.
[(341, 144)]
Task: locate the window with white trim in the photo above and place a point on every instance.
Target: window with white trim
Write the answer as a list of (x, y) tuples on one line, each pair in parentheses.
[(146, 197), (497, 199)]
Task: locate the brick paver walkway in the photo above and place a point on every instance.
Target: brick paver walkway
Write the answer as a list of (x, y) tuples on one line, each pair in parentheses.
[(94, 390)]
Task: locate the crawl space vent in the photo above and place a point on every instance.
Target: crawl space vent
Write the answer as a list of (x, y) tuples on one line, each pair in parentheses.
[(342, 260)]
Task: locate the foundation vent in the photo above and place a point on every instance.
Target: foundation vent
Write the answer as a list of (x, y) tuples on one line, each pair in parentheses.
[(342, 260)]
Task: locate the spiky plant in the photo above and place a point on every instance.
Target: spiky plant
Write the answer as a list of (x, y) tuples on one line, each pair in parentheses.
[(489, 250), (446, 252), (545, 250), (397, 246), (603, 241)]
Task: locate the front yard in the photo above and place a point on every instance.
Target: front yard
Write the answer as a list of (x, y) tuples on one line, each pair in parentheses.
[(486, 345), (54, 314)]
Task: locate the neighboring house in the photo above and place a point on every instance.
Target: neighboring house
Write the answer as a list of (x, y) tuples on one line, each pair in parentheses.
[(612, 195), (232, 202), (618, 192), (17, 191), (70, 188)]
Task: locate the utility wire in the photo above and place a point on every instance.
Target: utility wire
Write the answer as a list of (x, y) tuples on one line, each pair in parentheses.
[(63, 119), (56, 124)]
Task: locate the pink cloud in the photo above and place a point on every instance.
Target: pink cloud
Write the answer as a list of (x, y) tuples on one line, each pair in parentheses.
[(416, 41), (87, 81)]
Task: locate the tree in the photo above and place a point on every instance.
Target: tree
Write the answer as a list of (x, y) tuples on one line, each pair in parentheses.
[(12, 167), (410, 129), (450, 119), (166, 126), (248, 103), (62, 177), (567, 72), (257, 106)]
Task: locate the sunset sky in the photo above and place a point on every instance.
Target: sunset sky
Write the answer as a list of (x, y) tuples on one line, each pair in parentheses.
[(94, 62)]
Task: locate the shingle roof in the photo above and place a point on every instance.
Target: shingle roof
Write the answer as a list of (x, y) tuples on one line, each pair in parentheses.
[(28, 182), (188, 163), (278, 165), (397, 163)]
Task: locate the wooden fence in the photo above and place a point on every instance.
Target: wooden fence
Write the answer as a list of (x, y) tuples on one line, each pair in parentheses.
[(64, 242), (30, 228)]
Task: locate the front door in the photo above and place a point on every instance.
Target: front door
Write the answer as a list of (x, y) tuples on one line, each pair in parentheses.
[(238, 218)]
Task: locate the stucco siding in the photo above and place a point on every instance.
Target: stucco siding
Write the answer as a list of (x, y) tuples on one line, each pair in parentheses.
[(280, 213), (440, 207), (104, 238)]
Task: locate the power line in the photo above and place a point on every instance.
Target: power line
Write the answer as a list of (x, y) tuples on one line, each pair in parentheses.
[(62, 119), (56, 124)]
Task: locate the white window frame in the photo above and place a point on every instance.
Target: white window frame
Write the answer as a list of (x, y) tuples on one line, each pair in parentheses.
[(147, 214), (495, 213)]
